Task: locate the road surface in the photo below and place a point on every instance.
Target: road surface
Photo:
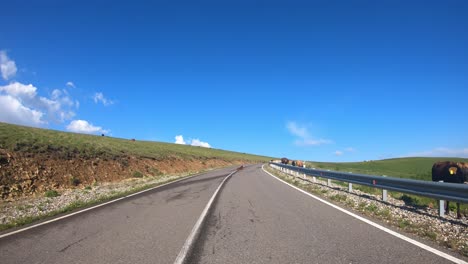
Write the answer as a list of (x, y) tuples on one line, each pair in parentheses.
[(148, 228), (259, 219), (255, 219)]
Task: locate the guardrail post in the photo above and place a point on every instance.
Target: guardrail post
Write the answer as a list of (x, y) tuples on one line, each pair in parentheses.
[(384, 195), (350, 187), (441, 206), (314, 179), (384, 192), (329, 182)]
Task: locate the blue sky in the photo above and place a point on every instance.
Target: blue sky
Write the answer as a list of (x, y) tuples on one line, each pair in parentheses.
[(313, 80)]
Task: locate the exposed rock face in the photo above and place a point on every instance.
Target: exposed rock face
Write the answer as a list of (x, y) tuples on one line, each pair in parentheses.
[(26, 174)]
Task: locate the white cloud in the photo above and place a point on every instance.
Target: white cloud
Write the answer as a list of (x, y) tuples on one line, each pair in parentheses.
[(99, 97), (339, 153), (71, 84), (312, 142), (12, 111), (441, 152), (57, 108), (19, 90), (180, 140), (7, 66), (297, 130), (304, 137), (350, 149), (83, 126), (197, 142), (346, 150)]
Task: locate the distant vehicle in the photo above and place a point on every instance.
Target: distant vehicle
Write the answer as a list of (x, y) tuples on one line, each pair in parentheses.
[(449, 171)]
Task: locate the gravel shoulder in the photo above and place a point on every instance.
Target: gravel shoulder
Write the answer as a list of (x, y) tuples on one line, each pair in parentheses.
[(26, 210)]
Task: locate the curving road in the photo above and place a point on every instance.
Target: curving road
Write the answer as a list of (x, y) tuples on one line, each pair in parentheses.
[(255, 219), (259, 219), (147, 228)]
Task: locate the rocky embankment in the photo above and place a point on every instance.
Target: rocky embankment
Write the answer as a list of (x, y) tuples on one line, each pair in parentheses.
[(425, 222), (24, 174)]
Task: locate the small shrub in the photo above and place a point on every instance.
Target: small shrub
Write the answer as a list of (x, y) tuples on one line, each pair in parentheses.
[(371, 208), (464, 250), (430, 234), (350, 203), (338, 197), (51, 193), (384, 213), (403, 223), (124, 163), (362, 205), (137, 174), (451, 243), (155, 172), (74, 181), (453, 206), (88, 188)]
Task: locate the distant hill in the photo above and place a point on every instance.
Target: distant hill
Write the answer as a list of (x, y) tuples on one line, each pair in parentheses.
[(33, 160)]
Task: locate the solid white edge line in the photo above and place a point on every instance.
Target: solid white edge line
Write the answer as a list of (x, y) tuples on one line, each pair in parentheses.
[(391, 232), (183, 253), (93, 207)]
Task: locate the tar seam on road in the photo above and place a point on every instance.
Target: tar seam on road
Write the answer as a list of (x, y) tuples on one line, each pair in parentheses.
[(189, 243), (93, 207), (407, 239)]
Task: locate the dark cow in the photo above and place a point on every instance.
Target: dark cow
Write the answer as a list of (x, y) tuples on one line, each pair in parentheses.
[(293, 163), (448, 171), (284, 161)]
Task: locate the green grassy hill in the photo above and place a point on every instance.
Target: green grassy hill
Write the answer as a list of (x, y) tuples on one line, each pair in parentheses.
[(69, 145), (411, 168), (34, 161)]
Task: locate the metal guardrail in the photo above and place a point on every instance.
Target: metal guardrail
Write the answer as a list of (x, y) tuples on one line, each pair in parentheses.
[(438, 190)]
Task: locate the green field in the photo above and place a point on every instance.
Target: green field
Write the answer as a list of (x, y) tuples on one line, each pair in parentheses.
[(410, 168), (72, 145)]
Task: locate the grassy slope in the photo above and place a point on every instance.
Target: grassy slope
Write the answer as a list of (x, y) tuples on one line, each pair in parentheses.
[(35, 140)]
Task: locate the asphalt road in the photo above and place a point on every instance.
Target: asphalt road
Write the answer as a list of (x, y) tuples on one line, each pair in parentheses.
[(258, 219), (147, 228), (255, 219)]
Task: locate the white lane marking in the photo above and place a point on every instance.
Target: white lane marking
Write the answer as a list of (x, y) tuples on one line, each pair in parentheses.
[(407, 239), (96, 206), (181, 258)]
